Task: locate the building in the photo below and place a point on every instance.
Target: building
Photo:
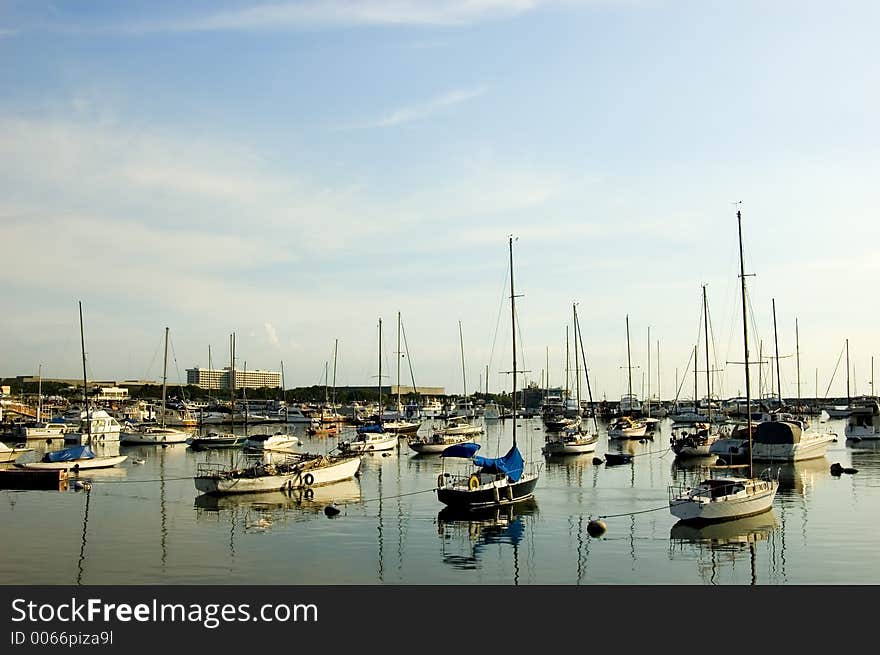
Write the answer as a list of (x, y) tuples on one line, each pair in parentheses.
[(111, 393), (207, 378)]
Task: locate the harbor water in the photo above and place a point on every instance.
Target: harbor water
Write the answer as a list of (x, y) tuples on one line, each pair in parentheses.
[(144, 523)]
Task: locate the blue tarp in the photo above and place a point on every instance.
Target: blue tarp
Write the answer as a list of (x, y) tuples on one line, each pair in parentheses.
[(376, 427), (511, 464), (69, 454), (465, 450)]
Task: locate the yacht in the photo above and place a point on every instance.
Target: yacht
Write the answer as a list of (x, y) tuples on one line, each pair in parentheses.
[(864, 420), (788, 438)]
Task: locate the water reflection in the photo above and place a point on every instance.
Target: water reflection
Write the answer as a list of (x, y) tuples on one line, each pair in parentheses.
[(466, 534), (81, 563), (716, 545)]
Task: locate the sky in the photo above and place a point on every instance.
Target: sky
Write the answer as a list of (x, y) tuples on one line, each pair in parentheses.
[(293, 172)]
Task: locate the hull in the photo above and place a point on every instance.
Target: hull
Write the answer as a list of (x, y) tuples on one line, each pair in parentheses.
[(497, 493), (754, 498), (343, 469), (574, 447), (628, 433), (805, 449), (388, 442), (7, 456), (436, 447), (861, 432), (217, 442), (76, 465), (152, 438)]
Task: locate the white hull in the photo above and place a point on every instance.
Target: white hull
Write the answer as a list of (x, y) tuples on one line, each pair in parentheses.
[(77, 464), (430, 446), (153, 437), (751, 497), (628, 433), (570, 448), (807, 448), (10, 455), (372, 443), (320, 475)]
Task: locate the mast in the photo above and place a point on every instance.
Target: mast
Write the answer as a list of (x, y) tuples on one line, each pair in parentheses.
[(629, 367), (40, 389), (164, 377), (847, 373), (776, 340), (232, 377), (513, 334), (335, 351), (797, 350), (577, 371), (380, 371), (283, 389), (82, 339), (742, 275), (399, 413), (648, 395), (708, 374), (567, 361), (463, 378), (577, 333), (695, 380), (659, 398)]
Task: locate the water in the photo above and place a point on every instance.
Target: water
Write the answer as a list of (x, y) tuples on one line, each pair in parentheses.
[(146, 524)]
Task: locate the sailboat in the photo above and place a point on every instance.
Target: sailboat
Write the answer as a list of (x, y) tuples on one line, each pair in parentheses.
[(371, 437), (725, 498), (400, 425), (223, 439), (576, 440), (627, 426), (146, 434), (696, 439), (82, 456), (495, 481), (459, 427)]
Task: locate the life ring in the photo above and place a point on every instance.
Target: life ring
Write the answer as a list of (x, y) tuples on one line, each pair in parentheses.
[(308, 494), (441, 480), (309, 479), (473, 482)]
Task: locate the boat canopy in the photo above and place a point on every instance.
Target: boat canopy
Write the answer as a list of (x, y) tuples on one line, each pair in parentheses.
[(511, 464), (464, 450), (373, 428), (69, 454), (778, 432)]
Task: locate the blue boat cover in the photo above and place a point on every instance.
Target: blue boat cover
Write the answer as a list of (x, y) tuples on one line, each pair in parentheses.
[(511, 464), (465, 450), (69, 454), (375, 427)]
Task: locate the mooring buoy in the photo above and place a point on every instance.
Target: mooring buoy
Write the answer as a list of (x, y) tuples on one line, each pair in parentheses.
[(331, 510), (596, 528), (598, 460)]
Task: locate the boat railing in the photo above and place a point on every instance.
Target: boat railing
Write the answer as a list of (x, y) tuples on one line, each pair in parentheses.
[(211, 469), (717, 489)]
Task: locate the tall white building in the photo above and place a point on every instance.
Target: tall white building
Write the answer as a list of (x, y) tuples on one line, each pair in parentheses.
[(221, 379)]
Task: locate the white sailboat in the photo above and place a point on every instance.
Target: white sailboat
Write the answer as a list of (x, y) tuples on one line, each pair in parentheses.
[(146, 434), (576, 440), (627, 425), (371, 437), (402, 425), (80, 457), (222, 439), (725, 498)]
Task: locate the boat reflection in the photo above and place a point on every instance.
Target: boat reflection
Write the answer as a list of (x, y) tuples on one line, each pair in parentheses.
[(715, 545), (797, 479), (466, 534), (261, 511)]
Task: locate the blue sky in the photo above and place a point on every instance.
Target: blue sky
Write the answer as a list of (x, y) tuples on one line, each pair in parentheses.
[(293, 171)]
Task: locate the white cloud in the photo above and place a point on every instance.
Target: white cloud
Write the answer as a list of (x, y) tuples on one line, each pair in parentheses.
[(271, 334), (422, 110)]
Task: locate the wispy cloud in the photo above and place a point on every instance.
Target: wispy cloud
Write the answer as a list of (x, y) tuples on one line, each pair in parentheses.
[(420, 111), (323, 13), (271, 334)]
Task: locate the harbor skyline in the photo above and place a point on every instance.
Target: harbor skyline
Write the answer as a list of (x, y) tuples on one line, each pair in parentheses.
[(293, 172)]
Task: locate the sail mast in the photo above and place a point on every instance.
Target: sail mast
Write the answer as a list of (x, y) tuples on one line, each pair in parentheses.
[(164, 377), (847, 374), (399, 413), (513, 333), (577, 370), (40, 391), (82, 339), (577, 332), (380, 371), (648, 397), (797, 350), (629, 367), (776, 342), (232, 378), (742, 275), (335, 351), (463, 377), (708, 374)]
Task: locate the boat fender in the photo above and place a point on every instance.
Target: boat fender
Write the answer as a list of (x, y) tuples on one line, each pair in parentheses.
[(473, 482), (496, 494), (441, 480), (596, 528), (308, 494), (309, 479)]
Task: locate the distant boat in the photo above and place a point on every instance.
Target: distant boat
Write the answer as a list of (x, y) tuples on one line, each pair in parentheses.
[(273, 443), (626, 427), (222, 439), (787, 438), (864, 421), (146, 434), (436, 442)]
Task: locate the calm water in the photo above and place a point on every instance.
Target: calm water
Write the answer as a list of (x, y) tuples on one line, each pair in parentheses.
[(145, 524)]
